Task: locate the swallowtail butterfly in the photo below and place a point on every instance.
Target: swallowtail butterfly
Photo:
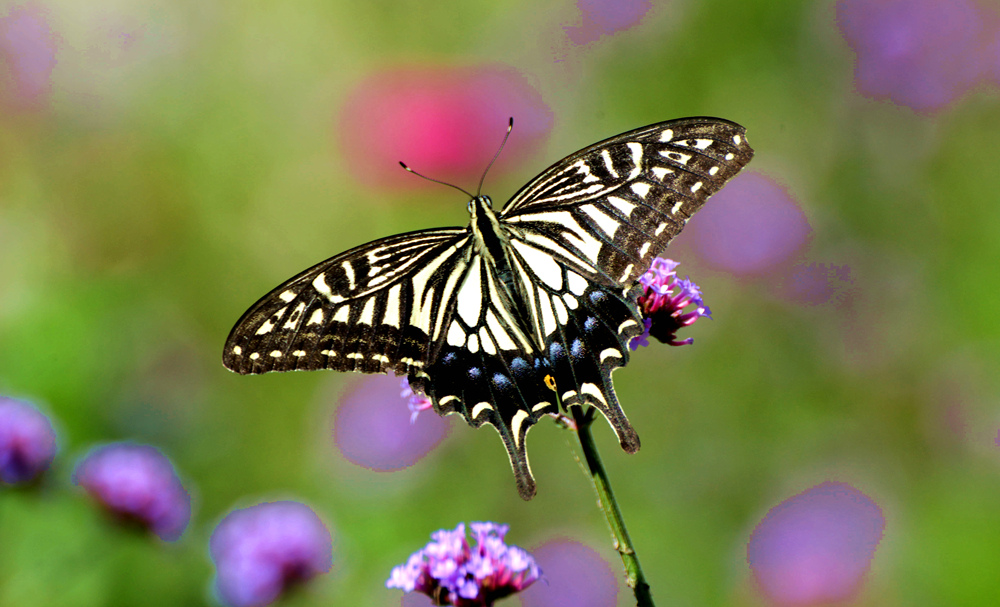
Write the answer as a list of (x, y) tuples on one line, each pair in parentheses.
[(496, 320)]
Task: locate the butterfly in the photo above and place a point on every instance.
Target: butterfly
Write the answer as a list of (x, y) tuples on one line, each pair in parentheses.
[(523, 309)]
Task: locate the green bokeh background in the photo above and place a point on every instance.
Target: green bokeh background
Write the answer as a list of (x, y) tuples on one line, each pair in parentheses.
[(175, 178)]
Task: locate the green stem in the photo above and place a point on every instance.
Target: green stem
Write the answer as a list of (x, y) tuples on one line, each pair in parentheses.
[(606, 500)]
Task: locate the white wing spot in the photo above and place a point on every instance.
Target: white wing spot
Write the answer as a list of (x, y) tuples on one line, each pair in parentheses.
[(712, 171), (568, 394), (391, 317), (700, 144), (610, 353), (368, 312), (541, 405), (640, 188), (237, 350), (636, 149), (696, 187), (327, 352), (659, 229), (628, 323), (737, 139), (342, 314), (456, 336), (730, 156), (643, 250), (266, 327), (607, 224), (561, 314), (356, 355), (486, 342), (254, 356), (571, 301), (594, 391), (319, 283), (676, 156), (299, 353), (661, 172), (276, 353), (584, 169), (608, 164), (577, 283), (349, 271), (479, 408), (677, 207), (667, 135), (515, 425), (542, 265), (623, 205), (447, 399), (382, 358), (316, 318), (473, 343), (296, 316), (625, 274), (287, 296)]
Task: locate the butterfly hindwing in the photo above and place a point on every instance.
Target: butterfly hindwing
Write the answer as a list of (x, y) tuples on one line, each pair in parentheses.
[(371, 309)]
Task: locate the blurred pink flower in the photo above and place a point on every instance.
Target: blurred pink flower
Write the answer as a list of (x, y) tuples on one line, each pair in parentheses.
[(750, 226), (445, 123), (918, 53), (573, 575), (28, 48), (372, 426), (606, 17), (816, 547)]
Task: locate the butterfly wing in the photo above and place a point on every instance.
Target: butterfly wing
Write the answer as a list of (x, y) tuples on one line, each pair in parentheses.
[(372, 309), (612, 207)]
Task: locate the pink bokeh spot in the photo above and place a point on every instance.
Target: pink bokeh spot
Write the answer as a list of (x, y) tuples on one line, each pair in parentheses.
[(816, 547), (372, 428), (28, 49), (444, 123), (573, 575), (750, 226)]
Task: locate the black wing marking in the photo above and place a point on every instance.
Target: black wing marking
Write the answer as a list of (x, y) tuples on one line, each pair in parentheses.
[(614, 206), (371, 309)]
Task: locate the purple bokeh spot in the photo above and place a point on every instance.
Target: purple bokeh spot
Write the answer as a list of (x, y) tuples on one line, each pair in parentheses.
[(372, 428), (137, 483), (605, 17), (817, 546), (750, 226), (573, 575), (28, 47), (261, 550), (27, 442), (446, 123), (918, 53), (814, 284)]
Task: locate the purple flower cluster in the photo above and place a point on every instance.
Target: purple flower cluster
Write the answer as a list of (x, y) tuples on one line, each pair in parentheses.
[(261, 550), (27, 442), (663, 308), (416, 401), (138, 483), (919, 53), (452, 573)]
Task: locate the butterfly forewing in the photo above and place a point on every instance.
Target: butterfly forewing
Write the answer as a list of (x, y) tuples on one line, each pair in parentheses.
[(372, 309), (615, 205)]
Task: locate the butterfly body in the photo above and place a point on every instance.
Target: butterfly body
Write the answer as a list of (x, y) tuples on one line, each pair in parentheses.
[(522, 310)]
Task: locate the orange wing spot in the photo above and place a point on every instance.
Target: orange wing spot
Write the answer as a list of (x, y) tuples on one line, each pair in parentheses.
[(550, 382)]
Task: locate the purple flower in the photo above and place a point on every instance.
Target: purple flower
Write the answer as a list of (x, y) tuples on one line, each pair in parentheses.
[(451, 572), (137, 483), (416, 401), (575, 576), (27, 442), (663, 308), (261, 550), (815, 548), (371, 427), (605, 17), (917, 53), (751, 226), (444, 122)]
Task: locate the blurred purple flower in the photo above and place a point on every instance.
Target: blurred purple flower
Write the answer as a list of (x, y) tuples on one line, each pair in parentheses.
[(28, 47), (137, 483), (27, 442), (371, 427), (814, 284), (416, 401), (575, 576), (815, 548), (446, 123), (750, 226), (917, 53), (261, 550), (663, 309), (605, 17), (455, 573)]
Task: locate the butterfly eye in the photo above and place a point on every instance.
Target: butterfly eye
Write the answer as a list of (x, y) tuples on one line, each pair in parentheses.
[(468, 207)]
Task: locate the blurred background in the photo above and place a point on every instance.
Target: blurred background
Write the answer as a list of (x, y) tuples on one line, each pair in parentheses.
[(164, 164)]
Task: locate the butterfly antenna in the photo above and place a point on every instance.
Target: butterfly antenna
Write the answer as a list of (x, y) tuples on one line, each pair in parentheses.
[(510, 127), (403, 164)]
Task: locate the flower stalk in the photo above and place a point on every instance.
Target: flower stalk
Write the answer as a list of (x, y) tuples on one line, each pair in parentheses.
[(609, 505)]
